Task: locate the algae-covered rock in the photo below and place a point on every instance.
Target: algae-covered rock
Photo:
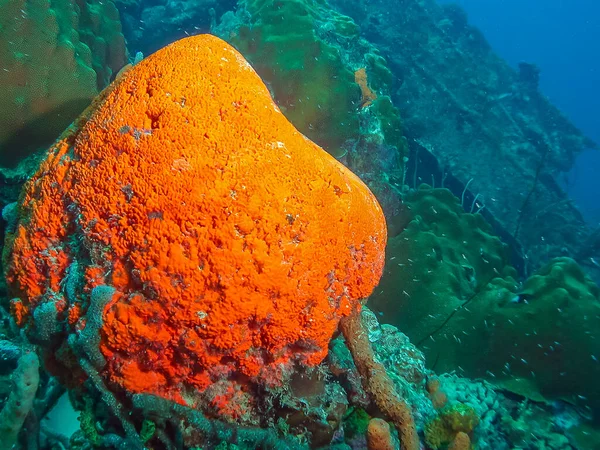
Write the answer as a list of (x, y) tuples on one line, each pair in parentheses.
[(449, 286), (309, 80), (56, 56), (545, 340)]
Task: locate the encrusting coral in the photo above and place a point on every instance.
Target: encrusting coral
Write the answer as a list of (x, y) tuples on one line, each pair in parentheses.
[(446, 427), (186, 241)]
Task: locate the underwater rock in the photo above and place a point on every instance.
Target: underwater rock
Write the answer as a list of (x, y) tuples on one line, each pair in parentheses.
[(56, 57), (182, 240)]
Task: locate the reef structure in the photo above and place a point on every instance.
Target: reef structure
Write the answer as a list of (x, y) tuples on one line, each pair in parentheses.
[(481, 122)]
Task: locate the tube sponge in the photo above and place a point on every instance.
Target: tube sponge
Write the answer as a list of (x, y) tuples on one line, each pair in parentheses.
[(25, 381), (231, 244)]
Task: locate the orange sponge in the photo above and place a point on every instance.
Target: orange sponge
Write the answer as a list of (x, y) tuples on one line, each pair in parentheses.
[(232, 245)]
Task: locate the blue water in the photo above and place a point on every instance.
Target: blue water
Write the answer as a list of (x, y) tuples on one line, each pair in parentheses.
[(562, 37)]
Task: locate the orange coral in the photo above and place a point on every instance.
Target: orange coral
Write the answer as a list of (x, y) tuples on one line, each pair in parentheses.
[(367, 94), (233, 243)]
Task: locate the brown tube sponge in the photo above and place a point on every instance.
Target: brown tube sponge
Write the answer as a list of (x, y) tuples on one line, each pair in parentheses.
[(377, 383)]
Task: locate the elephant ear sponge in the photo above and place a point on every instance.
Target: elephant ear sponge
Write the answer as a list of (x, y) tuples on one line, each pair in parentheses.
[(183, 232)]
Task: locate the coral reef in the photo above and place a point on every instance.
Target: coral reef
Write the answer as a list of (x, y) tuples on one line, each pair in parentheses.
[(553, 323), (470, 305), (402, 361), (476, 116), (318, 397), (184, 259), (508, 421), (442, 258), (186, 245), (56, 56)]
